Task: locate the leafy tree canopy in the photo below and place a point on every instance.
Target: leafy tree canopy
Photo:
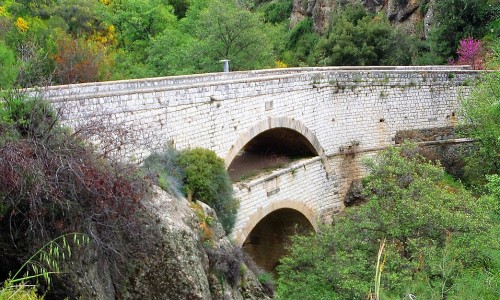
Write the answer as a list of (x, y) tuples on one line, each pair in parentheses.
[(358, 38), (226, 31), (436, 235), (457, 19), (481, 113)]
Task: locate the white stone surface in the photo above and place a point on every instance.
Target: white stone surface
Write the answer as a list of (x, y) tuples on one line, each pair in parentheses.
[(333, 107)]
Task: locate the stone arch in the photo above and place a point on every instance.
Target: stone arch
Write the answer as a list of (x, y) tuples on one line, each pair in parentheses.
[(273, 123), (268, 240), (262, 212)]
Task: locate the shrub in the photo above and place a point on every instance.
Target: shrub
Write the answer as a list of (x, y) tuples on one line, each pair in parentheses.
[(199, 174), (267, 281), (8, 66), (470, 52), (164, 170), (52, 183), (357, 38), (24, 118), (226, 263), (481, 113), (300, 43), (459, 19), (206, 180), (78, 60), (277, 11)]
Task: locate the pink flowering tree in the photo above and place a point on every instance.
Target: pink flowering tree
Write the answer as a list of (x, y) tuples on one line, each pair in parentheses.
[(470, 52)]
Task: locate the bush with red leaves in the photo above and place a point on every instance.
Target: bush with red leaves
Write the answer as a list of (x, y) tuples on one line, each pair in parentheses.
[(52, 183)]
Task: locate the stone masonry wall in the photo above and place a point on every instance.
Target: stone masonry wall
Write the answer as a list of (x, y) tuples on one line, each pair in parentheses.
[(336, 107), (303, 186)]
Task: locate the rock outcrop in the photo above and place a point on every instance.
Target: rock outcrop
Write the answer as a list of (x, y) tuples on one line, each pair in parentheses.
[(319, 10), (183, 253), (194, 259), (408, 15)]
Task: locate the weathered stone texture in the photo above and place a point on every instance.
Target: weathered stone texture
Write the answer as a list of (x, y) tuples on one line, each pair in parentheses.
[(334, 108), (402, 14), (178, 263)]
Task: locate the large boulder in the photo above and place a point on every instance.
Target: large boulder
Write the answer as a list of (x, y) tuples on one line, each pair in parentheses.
[(190, 258), (176, 264), (172, 249)]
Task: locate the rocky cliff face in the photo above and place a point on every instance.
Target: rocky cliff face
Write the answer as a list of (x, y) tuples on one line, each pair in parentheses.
[(185, 256), (319, 10), (406, 14)]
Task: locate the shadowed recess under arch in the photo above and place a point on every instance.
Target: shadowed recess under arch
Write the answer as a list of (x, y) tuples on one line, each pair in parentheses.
[(269, 239), (271, 143)]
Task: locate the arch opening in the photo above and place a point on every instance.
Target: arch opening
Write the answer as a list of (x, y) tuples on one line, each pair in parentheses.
[(272, 148), (269, 239)]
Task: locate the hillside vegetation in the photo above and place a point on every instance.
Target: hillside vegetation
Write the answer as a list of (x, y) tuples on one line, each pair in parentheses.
[(69, 41)]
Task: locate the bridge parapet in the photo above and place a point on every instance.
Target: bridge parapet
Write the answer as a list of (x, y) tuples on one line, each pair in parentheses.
[(139, 85)]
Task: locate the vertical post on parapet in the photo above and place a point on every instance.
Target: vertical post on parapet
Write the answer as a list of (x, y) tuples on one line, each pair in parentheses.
[(225, 64)]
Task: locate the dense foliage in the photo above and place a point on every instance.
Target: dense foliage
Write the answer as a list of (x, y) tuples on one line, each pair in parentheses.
[(440, 242), (460, 19), (200, 175), (481, 116), (53, 183), (358, 38), (67, 41)]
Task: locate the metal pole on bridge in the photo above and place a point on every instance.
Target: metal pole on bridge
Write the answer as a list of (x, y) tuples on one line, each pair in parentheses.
[(225, 64)]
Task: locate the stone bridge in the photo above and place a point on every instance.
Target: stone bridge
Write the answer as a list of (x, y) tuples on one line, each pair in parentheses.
[(323, 119)]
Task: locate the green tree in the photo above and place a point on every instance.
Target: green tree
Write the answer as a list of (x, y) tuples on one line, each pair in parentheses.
[(457, 19), (277, 11), (481, 114), (80, 16), (180, 7), (227, 31), (358, 38), (8, 66), (136, 24), (137, 21), (435, 232), (300, 44), (171, 53)]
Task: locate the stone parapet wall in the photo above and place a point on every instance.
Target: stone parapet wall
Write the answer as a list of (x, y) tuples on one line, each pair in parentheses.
[(153, 83)]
